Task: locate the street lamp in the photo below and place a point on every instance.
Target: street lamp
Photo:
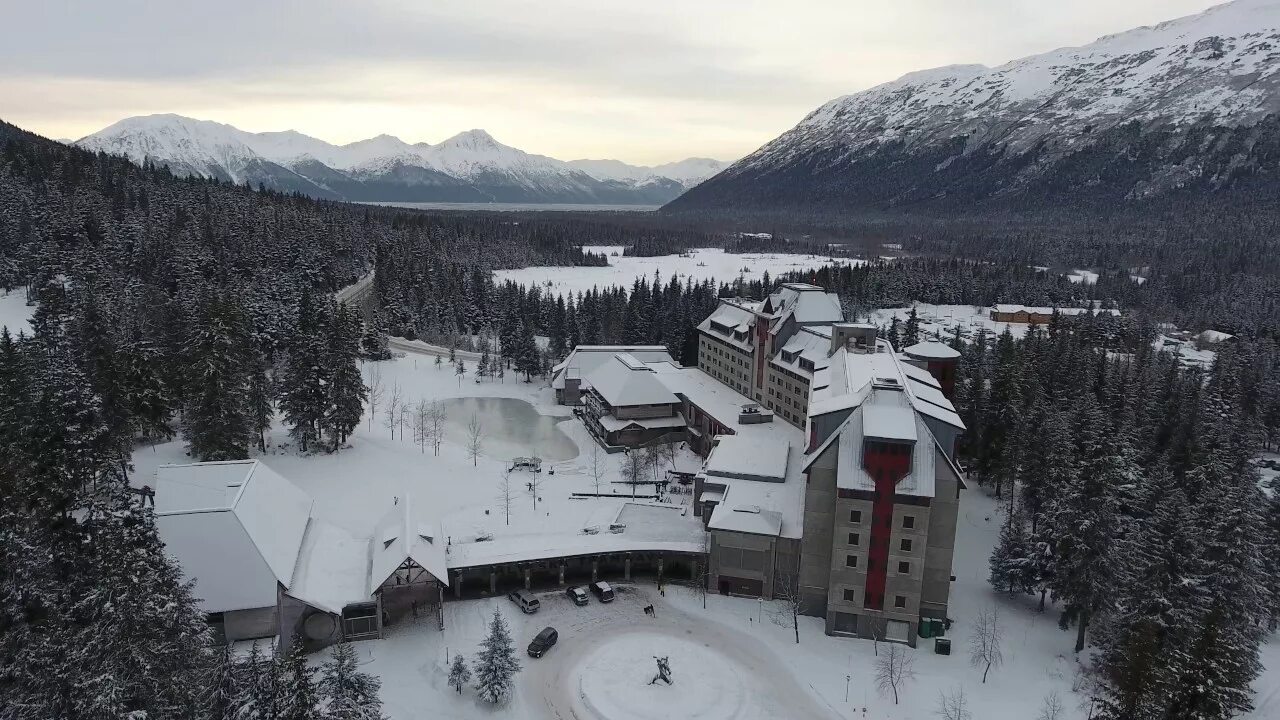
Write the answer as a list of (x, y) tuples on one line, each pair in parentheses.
[(759, 608), (847, 678)]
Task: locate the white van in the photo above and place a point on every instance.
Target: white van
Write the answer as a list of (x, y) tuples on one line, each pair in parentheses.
[(527, 603)]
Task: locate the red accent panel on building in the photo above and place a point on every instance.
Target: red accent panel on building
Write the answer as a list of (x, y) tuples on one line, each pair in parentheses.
[(886, 463), (762, 350), (944, 371)]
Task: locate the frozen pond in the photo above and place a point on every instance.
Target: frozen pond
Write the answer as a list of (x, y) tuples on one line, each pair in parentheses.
[(510, 428)]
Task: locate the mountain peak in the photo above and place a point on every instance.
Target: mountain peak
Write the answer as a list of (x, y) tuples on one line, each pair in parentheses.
[(475, 138)]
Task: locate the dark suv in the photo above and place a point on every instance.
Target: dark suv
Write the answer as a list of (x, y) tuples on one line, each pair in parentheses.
[(577, 595), (602, 591), (543, 642)]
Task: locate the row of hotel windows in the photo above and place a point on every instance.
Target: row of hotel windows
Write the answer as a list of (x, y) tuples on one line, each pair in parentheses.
[(851, 595), (795, 418), (904, 545), (908, 521), (786, 399), (851, 561)]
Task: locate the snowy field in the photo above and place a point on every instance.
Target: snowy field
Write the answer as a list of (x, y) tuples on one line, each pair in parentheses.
[(940, 321), (703, 264), (14, 313)]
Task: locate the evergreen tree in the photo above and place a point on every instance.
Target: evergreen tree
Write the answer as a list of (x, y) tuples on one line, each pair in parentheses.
[(297, 687), (218, 420), (459, 673), (346, 390), (304, 397), (496, 664), (1012, 561), (911, 331), (345, 692)]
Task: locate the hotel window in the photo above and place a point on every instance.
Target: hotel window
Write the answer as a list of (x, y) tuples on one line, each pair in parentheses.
[(851, 561), (855, 516), (850, 595), (906, 545), (908, 521), (853, 538), (904, 568), (899, 601)]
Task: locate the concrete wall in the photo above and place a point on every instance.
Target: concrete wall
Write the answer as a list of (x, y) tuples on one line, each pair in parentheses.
[(292, 614), (726, 546), (248, 624), (946, 434), (944, 511), (819, 521)]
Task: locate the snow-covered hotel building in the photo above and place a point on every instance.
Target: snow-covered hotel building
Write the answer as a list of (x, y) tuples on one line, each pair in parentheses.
[(870, 546)]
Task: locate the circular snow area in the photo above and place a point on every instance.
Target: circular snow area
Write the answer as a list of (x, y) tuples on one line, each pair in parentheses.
[(613, 681)]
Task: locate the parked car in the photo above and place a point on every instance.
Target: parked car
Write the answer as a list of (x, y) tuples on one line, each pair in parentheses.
[(543, 641), (527, 603), (577, 595), (602, 591)]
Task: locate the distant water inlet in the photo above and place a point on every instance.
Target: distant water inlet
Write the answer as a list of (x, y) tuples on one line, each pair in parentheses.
[(509, 428)]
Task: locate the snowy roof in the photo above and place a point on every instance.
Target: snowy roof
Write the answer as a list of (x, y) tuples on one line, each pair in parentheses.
[(744, 457), (332, 569), (889, 422), (920, 375), (236, 545), (851, 376), (1214, 336), (850, 473), (932, 350), (809, 343), (626, 381), (746, 519), (808, 304), (405, 534), (734, 315), (612, 423), (586, 358), (1030, 310)]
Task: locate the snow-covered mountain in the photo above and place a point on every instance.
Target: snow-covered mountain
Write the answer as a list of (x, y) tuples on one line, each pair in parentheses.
[(468, 167), (1187, 105)]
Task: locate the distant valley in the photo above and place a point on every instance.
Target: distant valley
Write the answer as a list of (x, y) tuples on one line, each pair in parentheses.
[(470, 167)]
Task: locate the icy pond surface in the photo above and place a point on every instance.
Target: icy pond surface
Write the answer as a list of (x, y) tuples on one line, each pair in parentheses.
[(509, 428)]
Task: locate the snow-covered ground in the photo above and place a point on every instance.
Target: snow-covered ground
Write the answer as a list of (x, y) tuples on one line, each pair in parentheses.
[(353, 488), (940, 321), (14, 312), (1186, 351), (701, 264)]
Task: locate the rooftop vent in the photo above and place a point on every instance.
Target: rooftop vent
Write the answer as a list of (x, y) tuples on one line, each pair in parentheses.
[(887, 383), (753, 509)]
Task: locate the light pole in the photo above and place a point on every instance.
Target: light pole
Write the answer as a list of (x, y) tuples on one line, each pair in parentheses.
[(759, 608), (846, 687)]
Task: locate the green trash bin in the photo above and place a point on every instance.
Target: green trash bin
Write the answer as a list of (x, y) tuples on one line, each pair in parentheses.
[(942, 646), (926, 627)]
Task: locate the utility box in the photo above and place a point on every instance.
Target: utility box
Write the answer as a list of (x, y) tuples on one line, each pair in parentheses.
[(942, 646)]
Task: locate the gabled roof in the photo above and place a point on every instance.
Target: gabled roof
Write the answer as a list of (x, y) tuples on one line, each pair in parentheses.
[(405, 534), (586, 358), (932, 350), (746, 519), (236, 527), (626, 381)]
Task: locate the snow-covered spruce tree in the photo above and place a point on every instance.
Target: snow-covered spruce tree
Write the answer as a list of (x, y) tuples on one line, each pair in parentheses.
[(1012, 562), (345, 692), (1160, 598), (297, 687), (304, 396), (459, 673), (259, 399), (346, 391), (496, 664), (217, 419)]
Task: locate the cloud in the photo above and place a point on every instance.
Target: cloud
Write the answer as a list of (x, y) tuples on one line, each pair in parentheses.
[(645, 81)]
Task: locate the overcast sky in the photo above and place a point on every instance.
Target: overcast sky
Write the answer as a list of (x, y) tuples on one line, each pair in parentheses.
[(646, 82)]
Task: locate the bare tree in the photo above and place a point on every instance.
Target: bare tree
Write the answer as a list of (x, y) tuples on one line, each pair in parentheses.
[(475, 440), (437, 415), (393, 410), (505, 493), (419, 423), (653, 459), (460, 370), (954, 705), (1052, 708), (984, 645), (787, 592), (597, 465), (633, 469), (703, 574), (376, 390), (535, 487), (894, 669)]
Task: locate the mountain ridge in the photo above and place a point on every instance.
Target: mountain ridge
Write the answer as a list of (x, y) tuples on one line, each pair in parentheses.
[(1186, 105), (470, 166)]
